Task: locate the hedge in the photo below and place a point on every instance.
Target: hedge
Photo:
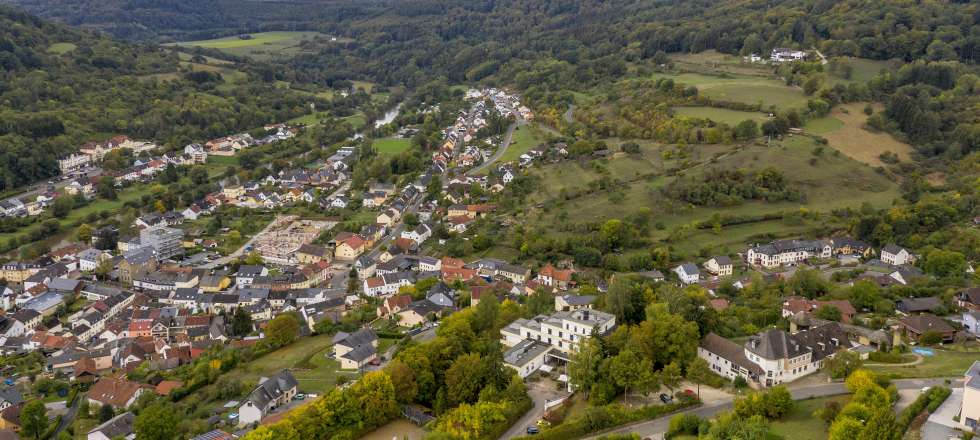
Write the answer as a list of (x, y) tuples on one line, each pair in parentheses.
[(929, 400), (598, 418)]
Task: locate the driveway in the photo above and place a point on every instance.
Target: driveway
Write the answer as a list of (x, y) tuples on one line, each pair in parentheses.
[(540, 392), (940, 425)]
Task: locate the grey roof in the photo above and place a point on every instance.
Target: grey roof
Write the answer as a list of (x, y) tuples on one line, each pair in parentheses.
[(440, 299), (974, 382), (729, 351), (424, 307), (11, 394), (525, 351), (780, 246), (919, 304), (139, 256), (689, 268), (360, 337), (361, 353), (118, 426), (578, 300), (272, 388), (778, 344), (892, 249), (974, 370), (722, 260), (63, 284)]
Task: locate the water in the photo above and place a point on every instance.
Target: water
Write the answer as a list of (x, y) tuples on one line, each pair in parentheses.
[(400, 429), (389, 116)]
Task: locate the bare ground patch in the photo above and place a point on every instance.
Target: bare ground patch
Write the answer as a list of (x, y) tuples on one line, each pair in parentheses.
[(859, 143)]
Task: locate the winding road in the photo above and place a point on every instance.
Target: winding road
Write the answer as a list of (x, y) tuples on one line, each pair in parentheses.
[(500, 151)]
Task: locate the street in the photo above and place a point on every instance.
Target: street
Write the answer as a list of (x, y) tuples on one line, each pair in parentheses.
[(504, 144), (540, 392)]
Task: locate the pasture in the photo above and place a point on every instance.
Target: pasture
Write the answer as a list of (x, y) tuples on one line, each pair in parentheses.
[(722, 115), (262, 45), (61, 48), (391, 146), (850, 136), (742, 88), (524, 139)]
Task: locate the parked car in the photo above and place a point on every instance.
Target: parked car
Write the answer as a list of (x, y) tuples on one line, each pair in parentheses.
[(689, 393), (299, 396), (533, 430), (665, 398)]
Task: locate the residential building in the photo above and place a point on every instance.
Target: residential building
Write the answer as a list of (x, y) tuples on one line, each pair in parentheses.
[(970, 408), (568, 303), (795, 304), (558, 279), (166, 242), (688, 273), (720, 266), (969, 298), (773, 356), (561, 330), (118, 427), (418, 313), (350, 248), (73, 162), (527, 356), (355, 350), (914, 326), (311, 253), (787, 252), (271, 393), (971, 322), (896, 255), (910, 306), (119, 393)]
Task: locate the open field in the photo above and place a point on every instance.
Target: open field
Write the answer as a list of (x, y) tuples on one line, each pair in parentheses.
[(392, 146), (724, 115), (943, 364), (858, 143), (568, 192), (742, 88), (262, 45), (865, 69), (61, 48), (800, 424), (712, 61), (525, 138), (223, 160)]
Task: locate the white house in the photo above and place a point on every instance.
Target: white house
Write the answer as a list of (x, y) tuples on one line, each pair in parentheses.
[(971, 322), (782, 55), (688, 273), (269, 395), (720, 266), (74, 162), (788, 252), (896, 255), (421, 233), (561, 330), (526, 357)]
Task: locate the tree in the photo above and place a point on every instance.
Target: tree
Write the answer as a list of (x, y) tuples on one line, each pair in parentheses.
[(104, 269), (156, 422), (945, 263), (583, 365), (106, 188), (699, 372), (62, 206), (282, 330), (746, 130), (881, 425), (828, 312), (464, 379), (403, 379), (630, 371), (33, 420), (842, 364), (106, 412), (84, 233), (253, 258), (241, 323), (670, 376)]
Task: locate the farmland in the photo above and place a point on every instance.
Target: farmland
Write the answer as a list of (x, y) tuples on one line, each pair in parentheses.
[(262, 45), (741, 88)]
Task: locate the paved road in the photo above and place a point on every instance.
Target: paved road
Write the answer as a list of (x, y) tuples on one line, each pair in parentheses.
[(500, 151), (540, 393), (70, 416), (656, 428)]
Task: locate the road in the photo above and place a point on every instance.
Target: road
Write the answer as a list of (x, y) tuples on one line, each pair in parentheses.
[(500, 151), (59, 183), (656, 428), (70, 416), (823, 59), (540, 393), (568, 116)]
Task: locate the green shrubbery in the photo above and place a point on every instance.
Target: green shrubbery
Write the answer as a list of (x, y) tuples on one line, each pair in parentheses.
[(602, 417)]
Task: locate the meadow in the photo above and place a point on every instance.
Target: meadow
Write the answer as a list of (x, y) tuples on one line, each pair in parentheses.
[(262, 45), (845, 130), (391, 146), (724, 115), (742, 88), (61, 48), (524, 139)]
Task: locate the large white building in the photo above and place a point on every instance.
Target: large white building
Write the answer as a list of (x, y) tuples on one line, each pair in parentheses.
[(532, 342), (896, 255), (788, 252), (73, 162), (773, 356)]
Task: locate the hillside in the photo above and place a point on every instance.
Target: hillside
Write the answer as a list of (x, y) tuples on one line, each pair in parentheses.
[(61, 87)]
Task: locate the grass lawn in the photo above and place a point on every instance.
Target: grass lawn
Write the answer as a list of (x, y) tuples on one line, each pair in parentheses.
[(864, 69), (852, 139), (310, 119), (944, 363), (742, 88), (223, 160), (391, 146), (262, 45), (356, 120), (83, 426), (800, 424), (524, 139), (724, 115), (826, 124), (61, 48)]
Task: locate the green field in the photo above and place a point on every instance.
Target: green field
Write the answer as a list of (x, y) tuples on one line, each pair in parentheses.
[(800, 424), (223, 160), (724, 115), (826, 124), (310, 119), (262, 45), (945, 363), (524, 139), (742, 88), (392, 146), (865, 69), (61, 48)]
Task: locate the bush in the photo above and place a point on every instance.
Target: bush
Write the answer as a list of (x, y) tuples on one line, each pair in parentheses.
[(682, 424), (602, 417), (929, 400), (886, 357)]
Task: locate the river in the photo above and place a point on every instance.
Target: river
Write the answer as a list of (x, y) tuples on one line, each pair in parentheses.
[(388, 117)]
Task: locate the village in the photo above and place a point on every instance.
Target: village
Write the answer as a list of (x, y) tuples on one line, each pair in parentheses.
[(119, 316)]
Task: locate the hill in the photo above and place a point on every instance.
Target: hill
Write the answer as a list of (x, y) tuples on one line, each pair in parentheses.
[(61, 87)]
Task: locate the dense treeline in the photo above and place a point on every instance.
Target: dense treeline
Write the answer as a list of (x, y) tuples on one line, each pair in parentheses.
[(51, 102)]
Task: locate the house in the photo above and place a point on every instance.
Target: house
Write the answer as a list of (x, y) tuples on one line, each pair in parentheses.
[(795, 304), (418, 312), (688, 273), (970, 408), (567, 303), (270, 394), (787, 252), (896, 256), (773, 356), (120, 426), (10, 396), (526, 357), (350, 248), (560, 279), (393, 304), (247, 273), (419, 234), (782, 55), (561, 330), (119, 393), (311, 253), (969, 298), (90, 259), (355, 350), (910, 306), (971, 322), (914, 326), (135, 262), (719, 266)]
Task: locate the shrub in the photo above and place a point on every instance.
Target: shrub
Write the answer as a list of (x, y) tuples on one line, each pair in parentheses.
[(682, 424)]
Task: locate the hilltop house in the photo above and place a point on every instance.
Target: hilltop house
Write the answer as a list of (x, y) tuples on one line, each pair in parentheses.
[(269, 395)]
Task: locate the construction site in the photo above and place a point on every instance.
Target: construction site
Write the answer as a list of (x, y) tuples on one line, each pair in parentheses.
[(278, 245)]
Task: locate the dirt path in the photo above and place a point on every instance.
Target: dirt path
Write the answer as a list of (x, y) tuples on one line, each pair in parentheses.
[(918, 360)]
